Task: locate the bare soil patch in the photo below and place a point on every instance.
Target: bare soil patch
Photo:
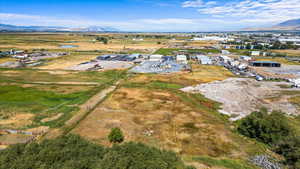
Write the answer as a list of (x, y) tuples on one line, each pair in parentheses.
[(52, 118), (241, 96), (18, 120)]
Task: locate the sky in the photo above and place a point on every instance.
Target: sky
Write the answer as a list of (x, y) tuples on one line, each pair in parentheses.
[(150, 15)]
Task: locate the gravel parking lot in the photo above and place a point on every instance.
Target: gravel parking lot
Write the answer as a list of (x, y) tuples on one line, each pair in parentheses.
[(106, 65)]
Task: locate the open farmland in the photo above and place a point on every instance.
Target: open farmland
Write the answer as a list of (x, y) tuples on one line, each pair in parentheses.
[(81, 42), (82, 47), (36, 100)]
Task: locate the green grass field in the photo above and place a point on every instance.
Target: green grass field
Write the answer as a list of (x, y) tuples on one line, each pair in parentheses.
[(44, 94)]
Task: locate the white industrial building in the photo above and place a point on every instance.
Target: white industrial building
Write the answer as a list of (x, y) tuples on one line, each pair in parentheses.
[(205, 60), (181, 59), (293, 40), (155, 57)]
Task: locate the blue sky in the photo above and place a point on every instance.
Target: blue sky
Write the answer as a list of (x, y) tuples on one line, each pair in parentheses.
[(150, 15)]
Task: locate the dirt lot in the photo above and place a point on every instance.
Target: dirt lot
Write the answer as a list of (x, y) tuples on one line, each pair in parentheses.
[(106, 65), (200, 74), (241, 96), (289, 52), (286, 71)]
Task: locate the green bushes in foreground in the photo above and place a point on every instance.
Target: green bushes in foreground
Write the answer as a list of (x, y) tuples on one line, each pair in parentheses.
[(275, 130), (267, 128), (70, 152)]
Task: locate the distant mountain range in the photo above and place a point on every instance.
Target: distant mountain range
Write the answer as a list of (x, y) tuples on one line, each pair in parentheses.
[(11, 28), (290, 25)]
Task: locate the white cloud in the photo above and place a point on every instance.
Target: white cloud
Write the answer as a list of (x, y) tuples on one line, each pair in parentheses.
[(197, 4), (147, 24), (267, 11), (193, 3)]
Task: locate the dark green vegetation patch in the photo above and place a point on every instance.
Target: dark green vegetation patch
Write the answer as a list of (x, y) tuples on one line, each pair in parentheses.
[(276, 130), (71, 152)]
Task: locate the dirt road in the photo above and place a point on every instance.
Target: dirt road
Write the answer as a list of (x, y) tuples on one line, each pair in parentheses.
[(85, 109)]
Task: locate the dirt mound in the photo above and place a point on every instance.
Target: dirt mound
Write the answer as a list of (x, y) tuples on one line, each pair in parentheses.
[(241, 96)]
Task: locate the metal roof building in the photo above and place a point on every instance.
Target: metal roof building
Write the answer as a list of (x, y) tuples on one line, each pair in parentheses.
[(265, 64)]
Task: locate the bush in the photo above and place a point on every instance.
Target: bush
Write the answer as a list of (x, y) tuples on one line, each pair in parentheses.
[(290, 148), (116, 136), (71, 151), (274, 130), (267, 128), (135, 156)]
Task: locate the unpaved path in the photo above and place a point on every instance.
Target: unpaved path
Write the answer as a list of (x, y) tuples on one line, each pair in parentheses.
[(66, 83), (85, 109)]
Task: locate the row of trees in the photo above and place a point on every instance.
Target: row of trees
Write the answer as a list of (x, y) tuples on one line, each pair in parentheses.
[(104, 40), (273, 129)]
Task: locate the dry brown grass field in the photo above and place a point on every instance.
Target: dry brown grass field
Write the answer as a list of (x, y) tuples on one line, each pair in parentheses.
[(289, 52), (151, 109), (84, 42)]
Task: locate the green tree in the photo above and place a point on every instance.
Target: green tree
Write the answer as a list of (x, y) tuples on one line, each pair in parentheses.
[(116, 135), (102, 39), (267, 128), (289, 147)]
